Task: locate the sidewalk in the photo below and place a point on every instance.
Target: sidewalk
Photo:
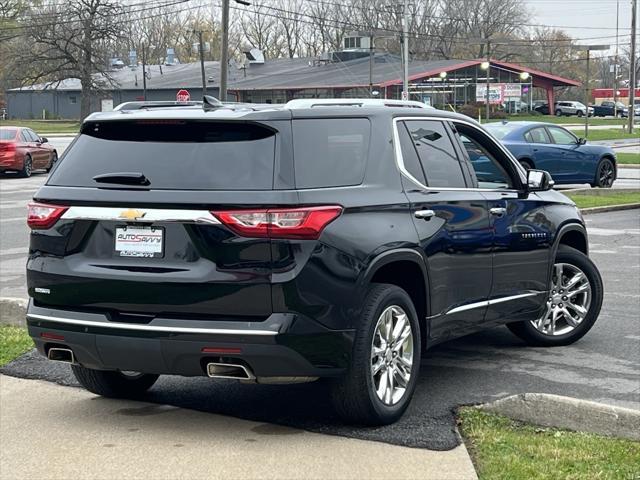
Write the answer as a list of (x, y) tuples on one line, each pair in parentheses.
[(48, 431)]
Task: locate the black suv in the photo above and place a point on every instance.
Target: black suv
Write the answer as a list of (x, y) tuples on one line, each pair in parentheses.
[(284, 244)]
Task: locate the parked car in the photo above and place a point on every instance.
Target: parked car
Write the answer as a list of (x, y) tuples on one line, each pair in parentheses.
[(613, 109), (23, 151), (542, 108), (569, 159), (320, 238), (571, 108)]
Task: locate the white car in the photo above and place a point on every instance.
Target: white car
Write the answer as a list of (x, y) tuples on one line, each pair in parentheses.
[(572, 108)]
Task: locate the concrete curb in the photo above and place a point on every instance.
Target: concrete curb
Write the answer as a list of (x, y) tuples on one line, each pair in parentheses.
[(12, 311), (609, 208), (629, 165), (570, 413)]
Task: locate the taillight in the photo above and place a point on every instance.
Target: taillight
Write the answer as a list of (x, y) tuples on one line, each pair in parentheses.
[(304, 223), (7, 147), (41, 215)]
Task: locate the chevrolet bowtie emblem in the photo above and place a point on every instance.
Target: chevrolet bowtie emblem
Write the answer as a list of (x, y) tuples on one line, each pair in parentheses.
[(132, 214)]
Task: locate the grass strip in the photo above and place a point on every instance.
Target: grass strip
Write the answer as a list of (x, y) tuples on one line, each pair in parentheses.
[(14, 341), (502, 448)]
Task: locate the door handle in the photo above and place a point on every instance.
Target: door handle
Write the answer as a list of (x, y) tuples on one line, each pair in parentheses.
[(424, 214), (498, 211)]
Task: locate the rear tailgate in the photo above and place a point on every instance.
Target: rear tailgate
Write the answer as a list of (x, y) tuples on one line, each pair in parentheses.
[(138, 248)]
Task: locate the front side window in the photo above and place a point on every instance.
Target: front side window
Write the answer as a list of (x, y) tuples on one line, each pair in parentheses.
[(436, 153), (561, 136), (487, 168)]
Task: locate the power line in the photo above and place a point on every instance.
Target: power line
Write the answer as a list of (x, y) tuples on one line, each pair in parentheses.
[(124, 12)]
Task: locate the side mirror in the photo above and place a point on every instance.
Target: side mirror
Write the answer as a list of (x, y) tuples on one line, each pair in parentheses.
[(44, 139), (539, 181), (582, 141)]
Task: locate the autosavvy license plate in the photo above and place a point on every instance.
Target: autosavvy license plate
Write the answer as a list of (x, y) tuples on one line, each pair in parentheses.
[(139, 241)]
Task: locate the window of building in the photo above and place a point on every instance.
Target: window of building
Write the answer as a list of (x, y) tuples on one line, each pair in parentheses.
[(352, 42), (73, 99)]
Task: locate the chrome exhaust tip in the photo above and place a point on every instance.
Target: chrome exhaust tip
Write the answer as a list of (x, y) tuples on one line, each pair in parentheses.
[(229, 370), (64, 355)]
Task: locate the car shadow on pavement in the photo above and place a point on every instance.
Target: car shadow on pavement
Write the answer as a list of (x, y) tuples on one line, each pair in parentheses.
[(474, 369)]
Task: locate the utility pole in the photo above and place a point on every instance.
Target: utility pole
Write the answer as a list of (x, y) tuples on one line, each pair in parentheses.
[(144, 74), (201, 51), (632, 73), (405, 50), (587, 98), (488, 78), (224, 51)]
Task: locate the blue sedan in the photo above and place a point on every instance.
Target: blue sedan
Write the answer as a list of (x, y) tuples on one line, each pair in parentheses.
[(549, 147)]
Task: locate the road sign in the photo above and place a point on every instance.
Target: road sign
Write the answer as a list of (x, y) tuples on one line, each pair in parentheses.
[(183, 96), (405, 95)]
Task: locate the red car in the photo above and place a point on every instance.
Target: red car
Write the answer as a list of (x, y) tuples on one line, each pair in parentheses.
[(23, 151)]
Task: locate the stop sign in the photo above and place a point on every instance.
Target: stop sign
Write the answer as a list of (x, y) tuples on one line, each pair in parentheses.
[(183, 96)]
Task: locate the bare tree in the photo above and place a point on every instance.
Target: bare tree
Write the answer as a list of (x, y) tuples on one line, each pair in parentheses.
[(67, 41)]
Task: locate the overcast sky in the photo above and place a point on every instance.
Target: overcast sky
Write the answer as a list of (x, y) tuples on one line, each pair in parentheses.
[(587, 18)]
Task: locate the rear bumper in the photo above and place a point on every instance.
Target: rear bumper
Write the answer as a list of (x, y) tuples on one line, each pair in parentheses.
[(284, 345)]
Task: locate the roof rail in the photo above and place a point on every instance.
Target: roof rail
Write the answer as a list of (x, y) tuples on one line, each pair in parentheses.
[(140, 104), (351, 102)]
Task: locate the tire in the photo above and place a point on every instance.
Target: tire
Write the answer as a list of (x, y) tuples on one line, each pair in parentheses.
[(533, 336), (605, 174), (27, 167), (354, 395), (580, 113), (558, 113), (113, 384), (54, 159), (526, 164)]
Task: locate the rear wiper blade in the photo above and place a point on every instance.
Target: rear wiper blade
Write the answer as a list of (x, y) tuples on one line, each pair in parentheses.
[(123, 178)]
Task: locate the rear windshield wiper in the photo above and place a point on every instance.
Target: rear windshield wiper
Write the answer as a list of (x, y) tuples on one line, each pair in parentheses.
[(123, 178)]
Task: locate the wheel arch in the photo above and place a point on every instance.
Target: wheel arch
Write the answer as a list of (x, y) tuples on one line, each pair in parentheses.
[(399, 267), (573, 235), (528, 159)]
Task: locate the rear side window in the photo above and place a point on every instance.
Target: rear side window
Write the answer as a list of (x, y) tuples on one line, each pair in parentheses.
[(330, 152), (437, 154), (537, 135), (172, 155), (8, 133)]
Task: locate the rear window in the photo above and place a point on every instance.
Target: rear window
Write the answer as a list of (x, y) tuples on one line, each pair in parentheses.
[(330, 152), (500, 130), (172, 155), (8, 133)]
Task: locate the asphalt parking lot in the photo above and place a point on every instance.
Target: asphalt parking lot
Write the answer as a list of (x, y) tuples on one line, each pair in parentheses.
[(604, 366)]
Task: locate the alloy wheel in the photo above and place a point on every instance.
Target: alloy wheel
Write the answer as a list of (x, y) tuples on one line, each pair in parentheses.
[(28, 167), (605, 174), (568, 303), (392, 355)]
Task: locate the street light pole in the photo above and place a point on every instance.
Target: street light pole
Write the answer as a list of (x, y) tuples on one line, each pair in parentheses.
[(488, 77), (632, 73), (587, 91)]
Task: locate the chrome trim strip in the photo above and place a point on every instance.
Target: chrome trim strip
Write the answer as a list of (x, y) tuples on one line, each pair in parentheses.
[(486, 303), (150, 328), (149, 215), (400, 162)]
